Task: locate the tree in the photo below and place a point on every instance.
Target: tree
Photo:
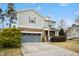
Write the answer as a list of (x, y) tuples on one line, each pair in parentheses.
[(2, 17), (10, 13), (77, 20), (61, 32), (61, 24)]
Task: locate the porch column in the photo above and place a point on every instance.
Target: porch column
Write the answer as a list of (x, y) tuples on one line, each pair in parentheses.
[(49, 35), (43, 35)]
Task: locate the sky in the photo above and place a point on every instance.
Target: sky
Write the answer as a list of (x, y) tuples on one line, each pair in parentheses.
[(57, 11)]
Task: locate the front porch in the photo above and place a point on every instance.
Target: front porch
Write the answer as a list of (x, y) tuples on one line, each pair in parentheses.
[(47, 34)]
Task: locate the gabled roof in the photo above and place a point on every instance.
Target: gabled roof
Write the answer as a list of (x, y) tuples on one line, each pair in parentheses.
[(26, 10), (47, 18), (74, 25), (50, 20)]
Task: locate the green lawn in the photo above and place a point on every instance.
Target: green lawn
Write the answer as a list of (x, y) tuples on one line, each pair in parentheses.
[(10, 52), (72, 45)]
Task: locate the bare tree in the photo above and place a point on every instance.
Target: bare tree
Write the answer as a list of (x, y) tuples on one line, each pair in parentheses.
[(61, 24), (77, 20)]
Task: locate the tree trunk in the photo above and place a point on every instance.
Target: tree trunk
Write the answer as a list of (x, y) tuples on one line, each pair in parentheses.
[(10, 23), (3, 22)]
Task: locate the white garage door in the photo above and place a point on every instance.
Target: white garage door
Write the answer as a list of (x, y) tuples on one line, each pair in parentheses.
[(31, 37)]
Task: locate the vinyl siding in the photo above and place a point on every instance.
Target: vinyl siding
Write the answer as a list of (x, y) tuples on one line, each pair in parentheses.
[(23, 19)]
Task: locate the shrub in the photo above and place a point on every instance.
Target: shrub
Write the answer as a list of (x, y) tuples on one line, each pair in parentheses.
[(10, 37), (58, 39), (1, 40)]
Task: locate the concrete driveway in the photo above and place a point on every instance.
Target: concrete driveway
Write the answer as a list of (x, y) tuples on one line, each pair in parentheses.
[(45, 49)]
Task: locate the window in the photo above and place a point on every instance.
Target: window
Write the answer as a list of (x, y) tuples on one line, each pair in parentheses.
[(32, 19), (50, 26)]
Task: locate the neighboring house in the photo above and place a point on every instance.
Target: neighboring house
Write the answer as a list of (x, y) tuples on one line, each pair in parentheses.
[(35, 27), (73, 32)]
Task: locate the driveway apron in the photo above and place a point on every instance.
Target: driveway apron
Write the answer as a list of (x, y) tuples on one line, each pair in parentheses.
[(45, 49)]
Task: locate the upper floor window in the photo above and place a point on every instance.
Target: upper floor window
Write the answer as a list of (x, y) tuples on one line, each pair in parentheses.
[(32, 19), (50, 26)]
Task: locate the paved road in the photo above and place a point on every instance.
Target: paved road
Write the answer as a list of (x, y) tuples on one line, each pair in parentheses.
[(45, 49)]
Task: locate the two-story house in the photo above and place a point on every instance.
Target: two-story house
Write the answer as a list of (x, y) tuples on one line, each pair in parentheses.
[(73, 32), (35, 27)]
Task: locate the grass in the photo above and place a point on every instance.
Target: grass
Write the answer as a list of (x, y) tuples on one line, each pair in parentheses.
[(72, 45), (10, 52)]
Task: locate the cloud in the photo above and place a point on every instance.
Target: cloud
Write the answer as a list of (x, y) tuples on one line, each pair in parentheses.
[(63, 4), (69, 22), (38, 8), (77, 12), (50, 15)]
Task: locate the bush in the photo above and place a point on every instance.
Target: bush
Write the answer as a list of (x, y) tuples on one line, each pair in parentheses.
[(10, 37), (1, 40), (58, 39)]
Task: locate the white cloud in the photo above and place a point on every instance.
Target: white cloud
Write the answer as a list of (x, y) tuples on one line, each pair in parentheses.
[(51, 16), (69, 22), (63, 4), (77, 12), (38, 8)]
